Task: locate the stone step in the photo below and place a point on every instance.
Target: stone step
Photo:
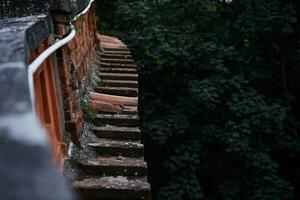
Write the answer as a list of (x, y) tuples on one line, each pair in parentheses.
[(119, 83), (120, 91), (130, 110), (118, 133), (120, 76), (125, 110), (117, 61), (120, 120), (108, 49), (114, 99), (124, 52), (108, 39), (118, 70), (113, 188), (106, 147), (113, 45), (118, 65), (114, 166), (115, 56)]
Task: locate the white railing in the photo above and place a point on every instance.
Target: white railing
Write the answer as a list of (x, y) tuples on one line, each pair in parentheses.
[(45, 54)]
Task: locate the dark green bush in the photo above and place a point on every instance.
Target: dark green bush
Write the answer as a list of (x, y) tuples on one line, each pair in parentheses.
[(218, 92)]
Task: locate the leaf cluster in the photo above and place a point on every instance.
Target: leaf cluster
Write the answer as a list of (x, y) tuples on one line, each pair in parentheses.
[(219, 94)]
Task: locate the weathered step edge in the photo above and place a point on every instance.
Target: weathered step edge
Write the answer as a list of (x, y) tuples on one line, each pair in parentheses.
[(117, 120), (114, 166), (117, 65), (113, 148), (119, 133), (118, 70), (115, 56), (120, 83), (119, 91), (120, 76), (117, 61), (111, 52), (108, 49), (113, 188)]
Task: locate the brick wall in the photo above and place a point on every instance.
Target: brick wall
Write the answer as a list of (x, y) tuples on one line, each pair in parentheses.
[(73, 67), (74, 64)]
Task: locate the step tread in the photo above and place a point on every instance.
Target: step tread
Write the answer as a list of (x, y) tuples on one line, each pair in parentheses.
[(108, 49), (113, 183), (117, 116), (122, 88), (109, 45), (117, 60), (130, 109), (115, 56), (119, 81), (115, 161), (117, 70), (126, 92), (117, 88), (130, 120), (125, 144), (118, 129), (126, 110), (118, 133), (118, 74), (124, 52), (120, 68), (128, 148), (118, 65)]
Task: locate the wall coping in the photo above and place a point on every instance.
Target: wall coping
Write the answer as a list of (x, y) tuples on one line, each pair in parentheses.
[(19, 36)]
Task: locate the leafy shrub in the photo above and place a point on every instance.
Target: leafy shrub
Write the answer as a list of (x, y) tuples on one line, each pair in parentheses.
[(88, 114), (219, 94)]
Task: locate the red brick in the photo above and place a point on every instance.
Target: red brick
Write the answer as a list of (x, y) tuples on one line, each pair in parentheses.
[(74, 62)]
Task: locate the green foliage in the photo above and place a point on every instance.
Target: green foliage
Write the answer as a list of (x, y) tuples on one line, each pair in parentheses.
[(88, 114), (219, 94)]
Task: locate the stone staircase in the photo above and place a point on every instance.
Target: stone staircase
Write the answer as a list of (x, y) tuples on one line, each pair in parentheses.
[(118, 171)]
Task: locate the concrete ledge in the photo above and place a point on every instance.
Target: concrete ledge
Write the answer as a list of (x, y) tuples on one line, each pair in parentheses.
[(21, 35)]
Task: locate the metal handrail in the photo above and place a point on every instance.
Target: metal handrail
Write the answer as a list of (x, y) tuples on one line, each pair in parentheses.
[(50, 50)]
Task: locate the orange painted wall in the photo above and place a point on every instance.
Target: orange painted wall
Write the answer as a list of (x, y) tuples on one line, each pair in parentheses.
[(47, 105)]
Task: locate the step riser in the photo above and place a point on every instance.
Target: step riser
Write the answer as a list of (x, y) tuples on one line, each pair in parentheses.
[(116, 77), (115, 56), (106, 65), (121, 84), (93, 194), (130, 112), (117, 61), (118, 135), (117, 52), (115, 170), (124, 112), (119, 151), (119, 92), (108, 49), (113, 45), (118, 71), (117, 122)]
